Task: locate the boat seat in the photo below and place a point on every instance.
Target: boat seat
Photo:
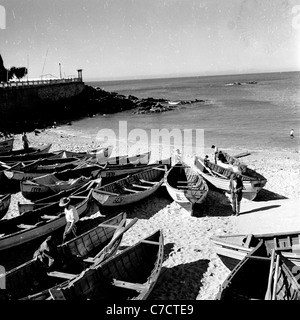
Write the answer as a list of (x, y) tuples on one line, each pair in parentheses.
[(129, 285), (248, 240), (62, 275), (146, 181), (89, 260), (150, 242), (140, 186), (25, 226), (48, 217), (109, 225), (131, 190)]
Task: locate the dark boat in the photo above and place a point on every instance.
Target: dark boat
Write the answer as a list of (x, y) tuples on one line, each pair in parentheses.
[(128, 275), (98, 239), (258, 277)]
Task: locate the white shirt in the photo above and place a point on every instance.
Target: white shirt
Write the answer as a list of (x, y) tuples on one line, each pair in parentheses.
[(71, 214)]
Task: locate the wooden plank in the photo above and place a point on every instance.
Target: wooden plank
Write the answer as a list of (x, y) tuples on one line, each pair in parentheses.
[(140, 186), (25, 226), (146, 181), (62, 275), (89, 260), (106, 192), (48, 217), (56, 294), (131, 190), (129, 285), (108, 225), (150, 242)]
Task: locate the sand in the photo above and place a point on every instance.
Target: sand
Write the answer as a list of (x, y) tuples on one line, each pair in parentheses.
[(191, 268)]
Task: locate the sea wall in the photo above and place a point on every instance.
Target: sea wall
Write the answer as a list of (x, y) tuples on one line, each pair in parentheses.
[(27, 102)]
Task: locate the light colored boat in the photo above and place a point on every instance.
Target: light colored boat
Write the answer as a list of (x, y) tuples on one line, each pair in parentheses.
[(132, 188), (220, 177), (185, 186), (53, 183), (231, 249), (128, 275), (4, 204), (37, 223), (101, 155)]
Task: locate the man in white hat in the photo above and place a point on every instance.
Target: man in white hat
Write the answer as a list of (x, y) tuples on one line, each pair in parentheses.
[(72, 217)]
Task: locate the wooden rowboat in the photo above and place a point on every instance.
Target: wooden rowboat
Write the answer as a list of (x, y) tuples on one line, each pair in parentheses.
[(41, 168), (6, 145), (97, 240), (4, 204), (24, 155), (53, 183), (131, 189), (39, 203), (101, 155), (257, 277), (220, 177), (185, 186), (128, 275), (231, 249), (40, 222)]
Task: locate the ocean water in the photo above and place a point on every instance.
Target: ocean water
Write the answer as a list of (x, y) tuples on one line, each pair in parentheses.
[(247, 117)]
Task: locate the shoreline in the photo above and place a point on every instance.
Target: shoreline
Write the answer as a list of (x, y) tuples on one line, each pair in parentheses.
[(191, 268)]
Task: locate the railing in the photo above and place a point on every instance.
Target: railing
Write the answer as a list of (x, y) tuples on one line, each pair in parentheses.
[(30, 83)]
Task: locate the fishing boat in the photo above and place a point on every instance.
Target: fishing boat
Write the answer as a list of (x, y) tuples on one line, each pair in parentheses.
[(185, 186), (97, 240), (231, 249), (128, 275), (40, 222), (42, 202), (42, 167), (32, 153), (53, 183), (259, 277), (220, 177), (4, 204), (6, 145), (130, 189), (101, 155)]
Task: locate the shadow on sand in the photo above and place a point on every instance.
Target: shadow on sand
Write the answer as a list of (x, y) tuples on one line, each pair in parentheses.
[(266, 195), (181, 282), (261, 209)]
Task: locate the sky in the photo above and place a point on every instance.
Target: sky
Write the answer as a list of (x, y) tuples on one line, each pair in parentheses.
[(133, 39)]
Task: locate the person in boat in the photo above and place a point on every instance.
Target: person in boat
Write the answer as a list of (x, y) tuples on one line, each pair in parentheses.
[(236, 191), (25, 141), (292, 133), (206, 160), (46, 253), (221, 157), (72, 217), (216, 152)]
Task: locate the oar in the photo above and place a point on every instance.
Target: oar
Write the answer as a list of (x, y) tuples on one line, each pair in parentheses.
[(275, 277), (118, 233), (268, 293)]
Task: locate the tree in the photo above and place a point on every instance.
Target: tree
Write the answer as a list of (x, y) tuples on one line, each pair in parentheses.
[(19, 73)]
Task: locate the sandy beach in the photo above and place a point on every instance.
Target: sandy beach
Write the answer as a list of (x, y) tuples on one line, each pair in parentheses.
[(191, 268)]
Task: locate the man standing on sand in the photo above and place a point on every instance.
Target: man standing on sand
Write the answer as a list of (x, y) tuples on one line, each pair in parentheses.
[(292, 133), (216, 152), (25, 141), (71, 218), (236, 190)]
